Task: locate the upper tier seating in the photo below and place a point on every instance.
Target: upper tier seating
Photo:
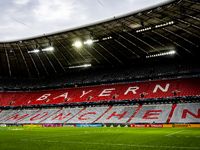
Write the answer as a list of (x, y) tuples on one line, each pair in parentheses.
[(113, 74)]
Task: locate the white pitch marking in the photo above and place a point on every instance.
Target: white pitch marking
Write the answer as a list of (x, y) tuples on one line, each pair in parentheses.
[(54, 136), (174, 133)]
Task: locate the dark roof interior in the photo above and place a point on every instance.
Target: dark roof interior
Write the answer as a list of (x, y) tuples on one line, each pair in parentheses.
[(134, 37)]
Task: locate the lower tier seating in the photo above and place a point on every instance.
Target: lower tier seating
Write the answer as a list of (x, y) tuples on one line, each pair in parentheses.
[(62, 116), (152, 114), (186, 113), (117, 115), (165, 113)]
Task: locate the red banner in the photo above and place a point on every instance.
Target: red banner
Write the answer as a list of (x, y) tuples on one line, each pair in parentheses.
[(157, 125), (140, 125), (146, 125)]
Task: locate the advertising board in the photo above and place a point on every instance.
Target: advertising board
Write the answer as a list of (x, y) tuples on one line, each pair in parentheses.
[(2, 125), (88, 125), (140, 125), (68, 125), (147, 125), (32, 125), (52, 125)]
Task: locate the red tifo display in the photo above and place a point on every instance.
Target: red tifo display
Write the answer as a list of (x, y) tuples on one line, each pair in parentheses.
[(125, 91)]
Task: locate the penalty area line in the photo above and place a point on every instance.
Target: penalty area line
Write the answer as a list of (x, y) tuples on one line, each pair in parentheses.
[(110, 144), (174, 133), (57, 136)]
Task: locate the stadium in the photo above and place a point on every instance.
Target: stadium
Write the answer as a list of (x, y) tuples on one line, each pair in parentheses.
[(130, 82)]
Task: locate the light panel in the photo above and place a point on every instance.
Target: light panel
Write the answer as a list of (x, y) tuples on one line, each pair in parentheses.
[(156, 26), (34, 51), (77, 44), (88, 42), (161, 54), (48, 49), (81, 66)]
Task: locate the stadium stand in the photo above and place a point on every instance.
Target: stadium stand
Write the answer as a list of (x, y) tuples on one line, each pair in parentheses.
[(159, 89), (106, 75), (38, 116), (148, 114), (18, 116), (117, 115), (152, 114), (88, 115), (62, 116), (132, 78), (186, 113), (6, 113)]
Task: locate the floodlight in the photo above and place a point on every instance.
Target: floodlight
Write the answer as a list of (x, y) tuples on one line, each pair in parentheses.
[(34, 51), (80, 66), (162, 54), (88, 42), (48, 49), (173, 52), (77, 44)]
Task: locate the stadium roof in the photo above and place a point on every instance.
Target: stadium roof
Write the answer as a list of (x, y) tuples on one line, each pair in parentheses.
[(169, 29)]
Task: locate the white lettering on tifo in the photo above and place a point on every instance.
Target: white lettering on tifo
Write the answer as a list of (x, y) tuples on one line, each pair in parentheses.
[(132, 89), (106, 92), (162, 89), (43, 97), (84, 93), (63, 95)]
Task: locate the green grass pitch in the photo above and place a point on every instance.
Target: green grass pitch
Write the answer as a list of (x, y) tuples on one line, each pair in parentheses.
[(100, 138)]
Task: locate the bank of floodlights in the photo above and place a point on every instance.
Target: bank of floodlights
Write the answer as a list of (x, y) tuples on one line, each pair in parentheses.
[(80, 66), (44, 50), (48, 49), (156, 26), (90, 41), (161, 54)]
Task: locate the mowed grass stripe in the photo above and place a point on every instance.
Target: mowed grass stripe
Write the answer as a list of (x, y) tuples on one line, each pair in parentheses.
[(86, 132), (110, 144)]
